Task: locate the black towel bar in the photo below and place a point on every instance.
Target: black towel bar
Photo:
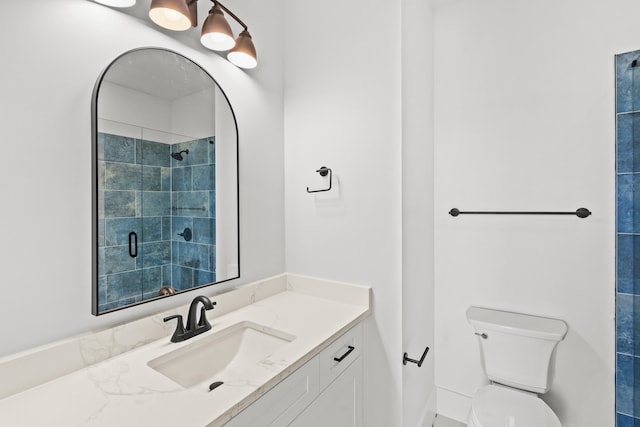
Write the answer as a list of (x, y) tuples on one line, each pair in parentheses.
[(580, 213)]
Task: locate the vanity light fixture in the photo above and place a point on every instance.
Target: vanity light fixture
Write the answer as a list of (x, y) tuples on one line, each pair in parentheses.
[(216, 31), (180, 15), (175, 15)]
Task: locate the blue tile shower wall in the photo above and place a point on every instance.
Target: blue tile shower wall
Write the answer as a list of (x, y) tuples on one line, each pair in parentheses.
[(193, 207), (142, 189), (628, 239)]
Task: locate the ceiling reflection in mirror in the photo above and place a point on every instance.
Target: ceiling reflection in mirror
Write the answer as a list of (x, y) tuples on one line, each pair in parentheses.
[(165, 180)]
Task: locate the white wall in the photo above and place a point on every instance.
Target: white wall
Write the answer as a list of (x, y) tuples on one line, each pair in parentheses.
[(226, 196), (127, 112), (58, 49), (194, 116), (343, 110), (417, 211), (524, 114)]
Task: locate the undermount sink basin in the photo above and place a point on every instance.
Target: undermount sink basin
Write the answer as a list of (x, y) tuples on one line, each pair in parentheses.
[(222, 355)]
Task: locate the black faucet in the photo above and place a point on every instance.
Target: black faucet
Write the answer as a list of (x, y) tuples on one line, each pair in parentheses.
[(181, 333)]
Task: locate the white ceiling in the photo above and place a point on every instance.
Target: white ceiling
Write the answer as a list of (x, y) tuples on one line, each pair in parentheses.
[(158, 73)]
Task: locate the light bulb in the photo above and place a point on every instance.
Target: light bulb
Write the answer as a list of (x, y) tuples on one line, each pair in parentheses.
[(217, 41), (242, 60)]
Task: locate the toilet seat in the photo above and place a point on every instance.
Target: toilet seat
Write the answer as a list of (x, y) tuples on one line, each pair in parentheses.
[(500, 406)]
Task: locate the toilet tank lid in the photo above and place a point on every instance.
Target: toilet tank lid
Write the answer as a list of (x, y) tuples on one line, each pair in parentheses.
[(517, 323)]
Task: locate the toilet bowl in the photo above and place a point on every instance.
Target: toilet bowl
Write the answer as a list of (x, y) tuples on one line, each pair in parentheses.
[(500, 406), (518, 356)]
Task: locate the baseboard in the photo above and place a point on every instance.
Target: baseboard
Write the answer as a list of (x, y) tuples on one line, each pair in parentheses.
[(453, 405), (428, 419)]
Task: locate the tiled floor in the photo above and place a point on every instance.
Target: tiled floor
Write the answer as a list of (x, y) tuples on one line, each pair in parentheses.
[(446, 422)]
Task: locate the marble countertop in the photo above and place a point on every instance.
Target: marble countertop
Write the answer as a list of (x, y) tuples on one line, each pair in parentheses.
[(124, 391)]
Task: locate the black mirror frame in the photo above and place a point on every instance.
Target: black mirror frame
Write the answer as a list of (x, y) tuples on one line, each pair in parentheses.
[(94, 186)]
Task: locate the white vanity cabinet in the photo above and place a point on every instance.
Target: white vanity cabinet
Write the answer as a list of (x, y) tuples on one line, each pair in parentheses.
[(326, 391)]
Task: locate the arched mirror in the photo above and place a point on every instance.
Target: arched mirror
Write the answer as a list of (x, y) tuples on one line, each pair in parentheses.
[(165, 180)]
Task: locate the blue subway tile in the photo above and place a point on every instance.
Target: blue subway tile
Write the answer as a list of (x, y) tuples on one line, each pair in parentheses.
[(193, 255), (117, 230), (627, 82), (627, 376), (151, 281), (119, 204), (102, 290), (165, 179), (100, 147), (626, 328), (178, 226), (628, 143), (627, 276), (204, 177), (155, 254), (202, 277), (124, 285), (156, 203), (151, 229), (101, 262), (212, 150), (117, 304), (182, 277), (181, 179), (166, 274), (152, 153), (192, 203), (151, 178), (628, 197), (200, 152), (101, 176), (117, 148), (101, 227), (122, 176), (626, 421), (117, 259), (166, 228), (204, 231)]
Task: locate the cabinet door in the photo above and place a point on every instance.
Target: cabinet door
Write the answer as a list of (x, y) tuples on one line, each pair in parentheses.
[(339, 405), (282, 403)]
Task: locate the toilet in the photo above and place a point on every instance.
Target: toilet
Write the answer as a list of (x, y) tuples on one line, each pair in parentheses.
[(518, 357)]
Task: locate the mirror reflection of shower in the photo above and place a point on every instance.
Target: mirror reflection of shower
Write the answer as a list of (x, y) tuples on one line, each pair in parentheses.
[(178, 156)]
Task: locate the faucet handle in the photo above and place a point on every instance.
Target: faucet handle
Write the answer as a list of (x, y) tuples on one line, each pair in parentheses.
[(178, 334)]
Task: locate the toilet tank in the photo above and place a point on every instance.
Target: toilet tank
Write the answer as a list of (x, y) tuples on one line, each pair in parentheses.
[(517, 350)]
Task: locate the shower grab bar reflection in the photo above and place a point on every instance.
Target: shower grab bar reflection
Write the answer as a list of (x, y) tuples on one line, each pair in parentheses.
[(580, 213), (189, 209)]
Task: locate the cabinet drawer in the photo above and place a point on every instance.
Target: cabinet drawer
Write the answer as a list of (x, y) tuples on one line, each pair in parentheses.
[(339, 355)]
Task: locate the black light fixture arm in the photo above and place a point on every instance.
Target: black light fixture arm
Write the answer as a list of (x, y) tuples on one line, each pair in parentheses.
[(233, 15)]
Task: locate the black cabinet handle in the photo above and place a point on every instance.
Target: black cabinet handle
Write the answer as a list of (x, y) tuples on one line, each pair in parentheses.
[(341, 358), (133, 244)]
